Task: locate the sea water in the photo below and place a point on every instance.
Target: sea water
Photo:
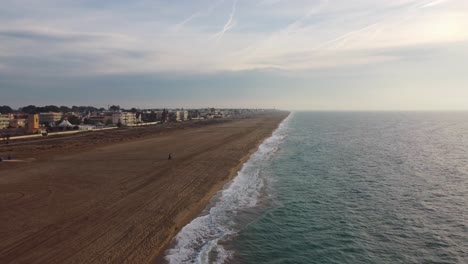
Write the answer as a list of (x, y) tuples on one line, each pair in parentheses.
[(343, 187)]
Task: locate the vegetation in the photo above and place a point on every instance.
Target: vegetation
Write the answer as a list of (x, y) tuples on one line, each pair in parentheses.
[(32, 109), (108, 122), (6, 109), (74, 120), (114, 108), (88, 121), (164, 115)]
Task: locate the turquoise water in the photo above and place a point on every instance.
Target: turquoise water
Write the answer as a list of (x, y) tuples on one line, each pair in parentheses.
[(343, 188)]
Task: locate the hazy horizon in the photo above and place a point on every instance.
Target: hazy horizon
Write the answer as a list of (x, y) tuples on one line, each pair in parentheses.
[(336, 55)]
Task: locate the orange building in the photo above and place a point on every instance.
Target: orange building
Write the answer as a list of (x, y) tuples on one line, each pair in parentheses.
[(28, 122), (33, 123)]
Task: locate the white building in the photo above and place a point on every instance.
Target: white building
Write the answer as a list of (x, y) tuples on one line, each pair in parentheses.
[(178, 115), (5, 120), (125, 118), (183, 115)]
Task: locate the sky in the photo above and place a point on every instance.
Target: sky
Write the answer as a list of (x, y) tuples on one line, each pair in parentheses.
[(285, 54)]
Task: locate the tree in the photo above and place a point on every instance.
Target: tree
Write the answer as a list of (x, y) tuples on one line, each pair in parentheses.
[(108, 122), (6, 109), (114, 108), (30, 109), (87, 121), (164, 115), (49, 108), (84, 109), (65, 109)]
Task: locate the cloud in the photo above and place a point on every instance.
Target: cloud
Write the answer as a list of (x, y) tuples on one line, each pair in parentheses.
[(333, 36), (433, 3), (229, 24), (50, 34), (203, 12), (148, 36)]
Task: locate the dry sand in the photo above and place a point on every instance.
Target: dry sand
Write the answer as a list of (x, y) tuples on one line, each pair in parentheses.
[(88, 199)]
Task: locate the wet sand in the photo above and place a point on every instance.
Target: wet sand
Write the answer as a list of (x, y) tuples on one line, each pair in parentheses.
[(94, 199)]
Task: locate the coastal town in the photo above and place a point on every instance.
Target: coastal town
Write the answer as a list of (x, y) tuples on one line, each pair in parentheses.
[(32, 120)]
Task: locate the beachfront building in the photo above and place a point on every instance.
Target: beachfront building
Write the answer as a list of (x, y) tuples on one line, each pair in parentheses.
[(101, 119), (177, 116), (5, 120), (162, 116), (183, 115), (32, 123), (18, 122), (125, 118), (149, 116), (50, 118), (174, 116), (194, 114)]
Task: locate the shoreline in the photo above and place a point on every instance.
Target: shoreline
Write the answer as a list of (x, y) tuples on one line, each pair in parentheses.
[(212, 198), (120, 204), (160, 254)]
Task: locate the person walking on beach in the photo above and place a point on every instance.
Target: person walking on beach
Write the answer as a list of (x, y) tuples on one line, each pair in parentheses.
[(170, 156)]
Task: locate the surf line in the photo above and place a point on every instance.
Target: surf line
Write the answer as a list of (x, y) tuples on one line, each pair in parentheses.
[(199, 240)]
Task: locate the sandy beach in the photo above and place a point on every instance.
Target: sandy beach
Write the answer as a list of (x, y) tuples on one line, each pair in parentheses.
[(114, 197)]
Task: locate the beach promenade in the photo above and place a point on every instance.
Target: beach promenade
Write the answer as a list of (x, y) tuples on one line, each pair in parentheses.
[(118, 202)]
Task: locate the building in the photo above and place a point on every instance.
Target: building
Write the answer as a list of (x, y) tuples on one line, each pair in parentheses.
[(18, 120), (18, 123), (176, 116), (184, 116), (125, 118), (162, 116), (103, 119), (5, 120), (32, 123), (50, 118)]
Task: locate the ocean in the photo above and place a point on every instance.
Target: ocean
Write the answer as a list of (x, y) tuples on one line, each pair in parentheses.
[(343, 187)]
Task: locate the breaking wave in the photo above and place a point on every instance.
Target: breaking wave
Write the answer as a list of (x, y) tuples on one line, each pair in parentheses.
[(201, 240)]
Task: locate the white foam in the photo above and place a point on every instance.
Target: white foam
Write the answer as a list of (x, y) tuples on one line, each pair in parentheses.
[(198, 242)]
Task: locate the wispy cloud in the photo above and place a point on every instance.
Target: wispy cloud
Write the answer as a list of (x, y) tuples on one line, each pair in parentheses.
[(433, 3), (229, 24), (52, 34), (201, 13), (272, 34), (341, 40)]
